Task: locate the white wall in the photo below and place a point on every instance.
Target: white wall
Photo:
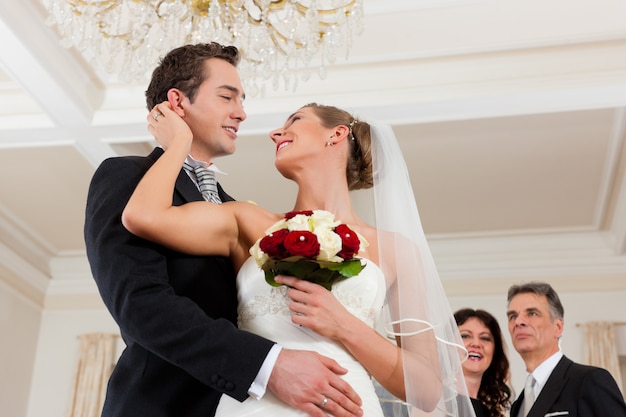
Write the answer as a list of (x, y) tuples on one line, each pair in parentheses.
[(19, 327), (56, 359), (579, 307)]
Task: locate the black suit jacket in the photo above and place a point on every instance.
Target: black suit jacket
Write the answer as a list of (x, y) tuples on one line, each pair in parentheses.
[(574, 390), (176, 312)]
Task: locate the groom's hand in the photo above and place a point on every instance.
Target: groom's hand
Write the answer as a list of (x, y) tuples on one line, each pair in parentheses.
[(303, 379)]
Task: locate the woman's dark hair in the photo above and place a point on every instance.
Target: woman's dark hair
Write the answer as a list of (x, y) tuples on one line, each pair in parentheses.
[(183, 68), (359, 168), (494, 392)]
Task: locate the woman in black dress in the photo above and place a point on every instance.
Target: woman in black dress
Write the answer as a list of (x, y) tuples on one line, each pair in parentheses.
[(486, 369)]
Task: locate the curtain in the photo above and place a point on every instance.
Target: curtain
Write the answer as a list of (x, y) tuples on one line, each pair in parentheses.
[(601, 348), (95, 362)]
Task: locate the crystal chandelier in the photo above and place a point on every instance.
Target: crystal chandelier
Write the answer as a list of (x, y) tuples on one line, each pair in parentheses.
[(280, 40)]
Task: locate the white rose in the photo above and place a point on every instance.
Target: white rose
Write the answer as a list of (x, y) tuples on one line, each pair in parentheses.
[(281, 224), (298, 222), (259, 256), (330, 245), (323, 219)]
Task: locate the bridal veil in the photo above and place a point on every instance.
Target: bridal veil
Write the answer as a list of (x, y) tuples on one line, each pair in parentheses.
[(420, 315)]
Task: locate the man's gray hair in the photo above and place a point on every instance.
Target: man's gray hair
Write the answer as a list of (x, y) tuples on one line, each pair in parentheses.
[(540, 288)]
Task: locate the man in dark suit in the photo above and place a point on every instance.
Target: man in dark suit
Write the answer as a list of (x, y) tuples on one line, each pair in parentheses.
[(177, 312), (559, 386)]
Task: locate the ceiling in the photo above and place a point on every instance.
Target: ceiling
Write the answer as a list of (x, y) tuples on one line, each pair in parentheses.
[(511, 116)]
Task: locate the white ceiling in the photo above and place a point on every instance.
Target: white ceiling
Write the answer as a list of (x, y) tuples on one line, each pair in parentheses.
[(510, 115)]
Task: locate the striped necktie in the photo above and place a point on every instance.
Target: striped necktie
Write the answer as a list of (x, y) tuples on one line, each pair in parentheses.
[(206, 183)]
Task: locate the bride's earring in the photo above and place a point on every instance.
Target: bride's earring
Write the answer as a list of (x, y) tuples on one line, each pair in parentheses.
[(330, 142)]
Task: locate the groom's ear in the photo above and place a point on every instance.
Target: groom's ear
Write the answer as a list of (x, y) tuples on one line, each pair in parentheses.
[(177, 99)]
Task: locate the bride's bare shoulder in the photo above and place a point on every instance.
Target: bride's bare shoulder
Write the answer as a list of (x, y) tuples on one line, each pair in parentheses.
[(251, 218)]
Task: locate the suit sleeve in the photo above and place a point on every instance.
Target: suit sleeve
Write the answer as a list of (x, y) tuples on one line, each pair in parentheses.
[(600, 396), (132, 277)]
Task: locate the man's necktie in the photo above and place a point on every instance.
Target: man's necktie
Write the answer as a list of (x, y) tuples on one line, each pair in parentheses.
[(207, 184), (529, 395)]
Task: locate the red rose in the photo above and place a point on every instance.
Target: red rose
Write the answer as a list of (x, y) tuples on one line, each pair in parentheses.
[(272, 244), (302, 243), (350, 242), (293, 214)]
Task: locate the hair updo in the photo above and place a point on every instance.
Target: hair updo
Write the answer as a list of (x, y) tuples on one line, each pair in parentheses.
[(359, 167)]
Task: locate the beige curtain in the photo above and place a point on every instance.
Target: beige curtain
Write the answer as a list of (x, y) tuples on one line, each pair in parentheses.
[(601, 348), (95, 362)]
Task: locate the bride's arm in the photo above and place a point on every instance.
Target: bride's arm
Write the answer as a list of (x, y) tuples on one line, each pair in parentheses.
[(317, 309), (196, 228)]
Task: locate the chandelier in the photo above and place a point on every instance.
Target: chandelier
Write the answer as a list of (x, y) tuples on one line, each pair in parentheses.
[(279, 40)]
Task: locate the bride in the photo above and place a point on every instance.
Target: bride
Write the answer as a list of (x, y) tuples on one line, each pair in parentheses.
[(328, 153)]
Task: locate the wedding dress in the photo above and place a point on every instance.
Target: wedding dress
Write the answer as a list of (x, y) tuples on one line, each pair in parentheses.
[(263, 310)]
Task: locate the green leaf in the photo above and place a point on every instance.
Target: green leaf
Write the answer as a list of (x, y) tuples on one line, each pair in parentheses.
[(269, 278), (318, 272)]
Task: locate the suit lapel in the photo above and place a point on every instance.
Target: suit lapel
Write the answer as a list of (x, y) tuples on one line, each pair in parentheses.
[(223, 195), (551, 391), (184, 188), (517, 404)]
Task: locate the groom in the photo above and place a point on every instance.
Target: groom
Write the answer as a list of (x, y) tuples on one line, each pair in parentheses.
[(177, 312)]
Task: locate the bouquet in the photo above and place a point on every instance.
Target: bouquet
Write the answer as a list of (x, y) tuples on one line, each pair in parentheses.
[(309, 245)]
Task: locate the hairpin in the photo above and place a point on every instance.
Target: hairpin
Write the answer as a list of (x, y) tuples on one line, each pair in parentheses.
[(352, 123)]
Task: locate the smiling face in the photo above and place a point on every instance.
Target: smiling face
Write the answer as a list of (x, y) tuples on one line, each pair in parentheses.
[(216, 111), (480, 346), (301, 139), (534, 332)]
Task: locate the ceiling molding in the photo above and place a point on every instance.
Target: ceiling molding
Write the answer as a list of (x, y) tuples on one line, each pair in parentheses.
[(555, 255), (24, 244), (610, 172), (56, 78), (618, 222), (575, 254), (500, 285), (18, 273)]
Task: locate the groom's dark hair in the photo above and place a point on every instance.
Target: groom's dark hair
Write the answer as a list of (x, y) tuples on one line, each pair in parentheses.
[(183, 68)]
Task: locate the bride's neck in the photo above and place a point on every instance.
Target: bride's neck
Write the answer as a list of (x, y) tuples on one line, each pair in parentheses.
[(335, 199)]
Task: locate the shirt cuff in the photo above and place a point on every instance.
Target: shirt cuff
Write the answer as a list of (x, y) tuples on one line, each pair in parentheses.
[(259, 385)]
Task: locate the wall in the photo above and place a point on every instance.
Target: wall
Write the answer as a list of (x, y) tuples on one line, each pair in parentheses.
[(19, 327), (56, 359)]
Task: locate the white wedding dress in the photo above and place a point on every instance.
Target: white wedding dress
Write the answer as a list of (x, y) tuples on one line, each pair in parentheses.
[(263, 310)]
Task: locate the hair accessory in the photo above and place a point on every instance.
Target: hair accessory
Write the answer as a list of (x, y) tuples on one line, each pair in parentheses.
[(352, 123)]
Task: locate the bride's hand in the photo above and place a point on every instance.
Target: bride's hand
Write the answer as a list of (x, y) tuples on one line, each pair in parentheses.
[(167, 126), (316, 308)]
